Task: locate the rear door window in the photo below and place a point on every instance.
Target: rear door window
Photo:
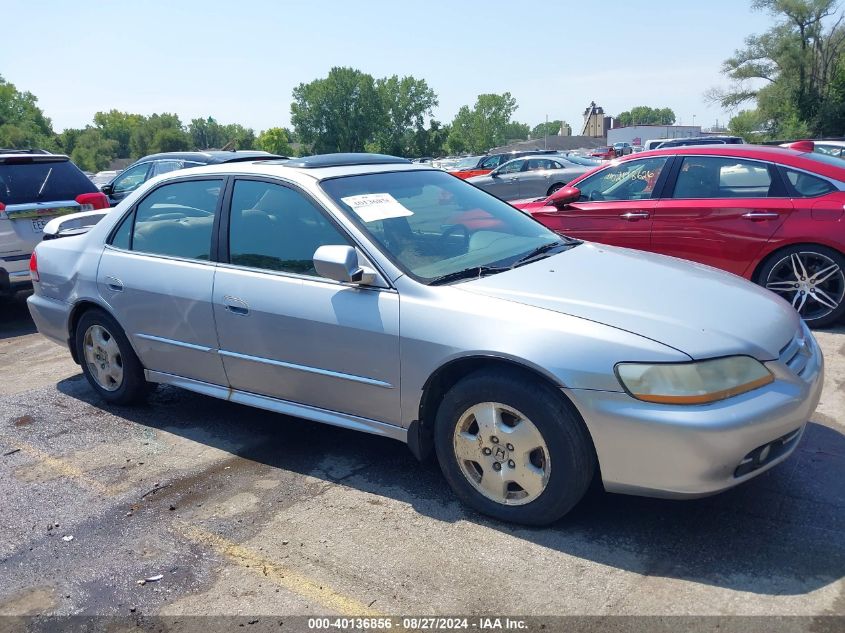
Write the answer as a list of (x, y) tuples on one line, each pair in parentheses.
[(718, 177), (42, 181)]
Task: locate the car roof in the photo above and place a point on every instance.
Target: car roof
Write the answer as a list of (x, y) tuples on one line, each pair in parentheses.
[(782, 155), (292, 169), (210, 157)]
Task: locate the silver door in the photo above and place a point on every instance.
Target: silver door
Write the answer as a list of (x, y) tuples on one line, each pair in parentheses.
[(156, 277), (284, 331)]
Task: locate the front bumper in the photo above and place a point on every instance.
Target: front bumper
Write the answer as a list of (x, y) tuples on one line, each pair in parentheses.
[(693, 451)]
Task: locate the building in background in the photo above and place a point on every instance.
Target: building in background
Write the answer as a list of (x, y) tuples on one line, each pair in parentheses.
[(565, 129), (596, 123), (639, 134)]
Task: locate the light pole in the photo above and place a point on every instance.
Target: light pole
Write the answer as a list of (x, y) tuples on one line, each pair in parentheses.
[(546, 134)]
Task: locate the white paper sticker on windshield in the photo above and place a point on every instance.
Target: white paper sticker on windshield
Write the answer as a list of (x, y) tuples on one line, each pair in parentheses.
[(376, 206)]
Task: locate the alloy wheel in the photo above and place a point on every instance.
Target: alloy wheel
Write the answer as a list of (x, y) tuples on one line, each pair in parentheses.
[(811, 281), (502, 453), (102, 355)]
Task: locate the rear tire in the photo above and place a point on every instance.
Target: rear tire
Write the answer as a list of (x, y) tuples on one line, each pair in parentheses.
[(108, 360), (511, 447), (812, 278)]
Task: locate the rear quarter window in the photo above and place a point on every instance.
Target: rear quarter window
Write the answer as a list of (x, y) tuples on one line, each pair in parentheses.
[(20, 182)]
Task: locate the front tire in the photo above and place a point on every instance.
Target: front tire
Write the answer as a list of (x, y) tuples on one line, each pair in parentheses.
[(555, 187), (108, 360), (812, 278), (513, 448)]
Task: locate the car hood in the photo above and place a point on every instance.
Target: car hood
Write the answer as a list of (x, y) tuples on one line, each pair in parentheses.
[(698, 310)]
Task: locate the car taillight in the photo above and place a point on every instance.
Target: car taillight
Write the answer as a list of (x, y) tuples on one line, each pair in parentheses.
[(91, 201), (33, 267)]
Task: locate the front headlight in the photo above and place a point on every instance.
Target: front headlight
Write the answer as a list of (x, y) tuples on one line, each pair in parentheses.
[(693, 383)]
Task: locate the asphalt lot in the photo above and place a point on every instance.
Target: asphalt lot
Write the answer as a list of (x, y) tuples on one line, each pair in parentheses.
[(247, 512)]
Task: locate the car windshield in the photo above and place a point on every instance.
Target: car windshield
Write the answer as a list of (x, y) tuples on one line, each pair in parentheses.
[(432, 224)]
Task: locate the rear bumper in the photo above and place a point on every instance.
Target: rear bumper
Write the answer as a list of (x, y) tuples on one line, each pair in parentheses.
[(694, 451), (12, 281), (51, 317)]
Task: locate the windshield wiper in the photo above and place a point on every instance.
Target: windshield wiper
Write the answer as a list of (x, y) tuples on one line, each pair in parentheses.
[(476, 272), (44, 184), (542, 251)]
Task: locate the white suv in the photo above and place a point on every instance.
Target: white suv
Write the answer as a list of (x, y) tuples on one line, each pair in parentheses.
[(34, 188)]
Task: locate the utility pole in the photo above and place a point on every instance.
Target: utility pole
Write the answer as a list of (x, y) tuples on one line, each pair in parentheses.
[(546, 134)]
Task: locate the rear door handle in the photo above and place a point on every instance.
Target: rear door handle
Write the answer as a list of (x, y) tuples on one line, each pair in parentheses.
[(114, 284), (757, 216), (633, 216), (235, 305)]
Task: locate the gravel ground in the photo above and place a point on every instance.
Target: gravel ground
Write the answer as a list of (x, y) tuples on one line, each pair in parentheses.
[(244, 512)]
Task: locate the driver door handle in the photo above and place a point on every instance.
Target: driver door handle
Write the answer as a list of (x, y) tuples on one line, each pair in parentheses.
[(633, 216)]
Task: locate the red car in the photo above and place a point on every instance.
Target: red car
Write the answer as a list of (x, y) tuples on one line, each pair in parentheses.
[(604, 153), (772, 215)]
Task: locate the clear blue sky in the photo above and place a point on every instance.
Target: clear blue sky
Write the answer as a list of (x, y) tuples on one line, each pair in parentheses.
[(239, 60)]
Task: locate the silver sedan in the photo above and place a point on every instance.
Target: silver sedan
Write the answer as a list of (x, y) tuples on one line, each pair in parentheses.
[(370, 293), (529, 177)]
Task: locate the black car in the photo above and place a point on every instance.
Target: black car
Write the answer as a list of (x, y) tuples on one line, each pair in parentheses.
[(156, 164)]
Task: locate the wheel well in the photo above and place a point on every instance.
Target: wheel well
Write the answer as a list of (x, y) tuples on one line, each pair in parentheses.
[(78, 310), (756, 276), (450, 374)]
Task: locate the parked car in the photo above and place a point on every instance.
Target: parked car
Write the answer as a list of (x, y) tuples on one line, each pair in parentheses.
[(324, 294), (700, 140), (578, 159), (530, 176), (104, 177), (831, 148), (156, 164), (604, 153), (35, 187), (772, 215), (653, 143), (623, 149), (488, 163)]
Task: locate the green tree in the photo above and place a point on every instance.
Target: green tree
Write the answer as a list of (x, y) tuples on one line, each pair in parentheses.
[(92, 151), (236, 136), (276, 141), (793, 71), (515, 131), (118, 126), (484, 126), (22, 123), (748, 124), (405, 103), (429, 141), (143, 140), (645, 115), (205, 134), (340, 113), (551, 128)]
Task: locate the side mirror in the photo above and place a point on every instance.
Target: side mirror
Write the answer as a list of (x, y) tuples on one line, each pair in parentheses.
[(493, 174), (341, 264), (562, 198), (107, 189)]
